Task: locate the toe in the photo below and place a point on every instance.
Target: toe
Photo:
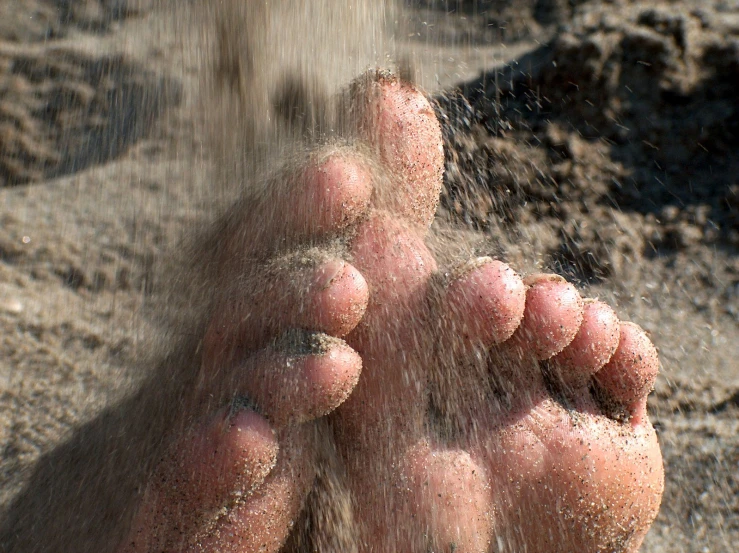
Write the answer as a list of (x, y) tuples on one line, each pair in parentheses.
[(399, 121), (301, 377), (235, 450), (337, 300), (626, 380), (228, 454), (481, 305), (593, 346), (261, 520), (330, 194), (552, 316), (329, 296), (333, 194)]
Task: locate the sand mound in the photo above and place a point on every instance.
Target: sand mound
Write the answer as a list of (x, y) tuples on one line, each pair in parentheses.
[(61, 111), (630, 119)]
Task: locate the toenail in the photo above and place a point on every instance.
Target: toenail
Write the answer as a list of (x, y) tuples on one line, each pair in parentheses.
[(468, 267), (329, 273), (538, 278), (241, 403), (297, 341)]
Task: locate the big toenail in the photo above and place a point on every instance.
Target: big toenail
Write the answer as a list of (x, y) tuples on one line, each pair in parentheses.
[(538, 278)]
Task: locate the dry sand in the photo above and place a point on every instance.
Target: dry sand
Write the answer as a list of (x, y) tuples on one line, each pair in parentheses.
[(599, 139)]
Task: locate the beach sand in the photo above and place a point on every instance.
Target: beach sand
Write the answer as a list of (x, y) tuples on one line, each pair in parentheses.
[(598, 139)]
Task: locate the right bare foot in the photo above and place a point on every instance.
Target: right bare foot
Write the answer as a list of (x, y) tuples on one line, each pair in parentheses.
[(491, 413)]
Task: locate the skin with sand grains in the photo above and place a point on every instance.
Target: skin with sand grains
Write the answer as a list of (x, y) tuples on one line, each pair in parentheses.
[(338, 390), (472, 423)]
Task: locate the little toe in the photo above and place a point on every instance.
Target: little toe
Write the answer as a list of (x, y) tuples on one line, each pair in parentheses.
[(329, 296), (552, 316), (399, 121), (593, 346), (628, 378)]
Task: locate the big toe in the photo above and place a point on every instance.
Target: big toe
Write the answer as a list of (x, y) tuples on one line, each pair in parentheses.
[(399, 124), (481, 305), (228, 453)]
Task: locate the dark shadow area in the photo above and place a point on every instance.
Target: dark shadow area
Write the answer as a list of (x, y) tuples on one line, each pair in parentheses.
[(97, 15), (633, 116), (80, 495), (506, 19), (28, 21), (61, 112), (544, 11), (483, 22)]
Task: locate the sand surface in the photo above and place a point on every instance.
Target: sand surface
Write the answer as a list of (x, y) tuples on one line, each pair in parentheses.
[(598, 139)]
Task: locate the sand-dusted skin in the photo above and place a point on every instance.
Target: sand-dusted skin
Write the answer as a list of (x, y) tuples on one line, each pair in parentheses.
[(490, 411)]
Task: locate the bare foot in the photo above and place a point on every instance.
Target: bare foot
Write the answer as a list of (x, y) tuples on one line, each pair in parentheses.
[(491, 413), (273, 354)]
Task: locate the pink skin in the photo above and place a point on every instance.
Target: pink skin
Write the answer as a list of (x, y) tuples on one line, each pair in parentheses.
[(331, 194), (330, 298), (400, 123), (521, 470), (595, 343)]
